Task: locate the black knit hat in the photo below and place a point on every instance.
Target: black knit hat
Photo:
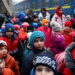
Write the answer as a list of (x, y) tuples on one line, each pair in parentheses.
[(45, 60)]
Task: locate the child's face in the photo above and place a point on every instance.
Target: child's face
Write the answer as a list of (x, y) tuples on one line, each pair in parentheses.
[(38, 43), (36, 19), (67, 29), (60, 10), (46, 24), (9, 34), (3, 51), (43, 70)]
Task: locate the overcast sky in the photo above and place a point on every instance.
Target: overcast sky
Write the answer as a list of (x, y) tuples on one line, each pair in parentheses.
[(17, 1)]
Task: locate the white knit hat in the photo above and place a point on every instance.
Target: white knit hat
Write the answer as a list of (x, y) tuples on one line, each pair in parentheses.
[(55, 26), (3, 43)]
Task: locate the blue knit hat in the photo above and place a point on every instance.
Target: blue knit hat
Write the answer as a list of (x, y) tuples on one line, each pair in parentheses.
[(35, 25), (9, 27), (34, 35)]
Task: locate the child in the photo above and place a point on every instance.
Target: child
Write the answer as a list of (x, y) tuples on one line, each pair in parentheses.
[(36, 42), (27, 47), (9, 60), (44, 65), (66, 33), (47, 32), (57, 39)]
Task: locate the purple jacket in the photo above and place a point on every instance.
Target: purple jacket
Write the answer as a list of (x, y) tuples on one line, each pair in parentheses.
[(57, 42)]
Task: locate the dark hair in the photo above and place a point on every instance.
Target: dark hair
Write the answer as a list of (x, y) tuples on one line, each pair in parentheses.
[(43, 9)]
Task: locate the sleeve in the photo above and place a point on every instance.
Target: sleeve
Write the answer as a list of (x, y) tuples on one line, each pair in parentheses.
[(15, 67)]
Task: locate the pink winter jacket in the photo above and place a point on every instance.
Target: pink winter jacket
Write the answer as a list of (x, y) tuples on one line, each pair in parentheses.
[(58, 19), (47, 32)]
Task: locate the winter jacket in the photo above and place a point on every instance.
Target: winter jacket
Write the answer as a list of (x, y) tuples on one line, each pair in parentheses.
[(27, 63), (67, 37), (11, 63), (40, 16), (67, 72), (47, 32), (73, 22), (11, 45), (22, 35), (72, 35), (57, 42), (69, 58), (7, 71), (15, 47), (58, 19), (27, 50)]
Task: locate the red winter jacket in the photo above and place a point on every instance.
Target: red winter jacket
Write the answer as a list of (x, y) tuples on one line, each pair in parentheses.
[(47, 32), (66, 72), (11, 63), (11, 45), (72, 35), (7, 71), (67, 37), (22, 35)]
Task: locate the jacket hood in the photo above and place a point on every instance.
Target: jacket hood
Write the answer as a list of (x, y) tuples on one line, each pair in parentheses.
[(69, 60), (57, 11)]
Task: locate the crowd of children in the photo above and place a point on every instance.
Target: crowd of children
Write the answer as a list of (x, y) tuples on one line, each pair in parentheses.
[(42, 44)]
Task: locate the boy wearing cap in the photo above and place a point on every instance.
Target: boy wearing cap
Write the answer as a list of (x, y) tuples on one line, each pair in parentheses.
[(9, 60), (14, 44), (44, 65)]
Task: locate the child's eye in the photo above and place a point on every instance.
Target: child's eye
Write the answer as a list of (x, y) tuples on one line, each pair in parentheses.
[(39, 69), (48, 70)]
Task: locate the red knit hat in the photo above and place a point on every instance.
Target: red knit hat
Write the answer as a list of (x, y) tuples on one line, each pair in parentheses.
[(68, 23), (16, 27), (25, 24), (45, 21)]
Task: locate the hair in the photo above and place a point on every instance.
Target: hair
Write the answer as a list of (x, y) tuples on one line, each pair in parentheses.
[(43, 9)]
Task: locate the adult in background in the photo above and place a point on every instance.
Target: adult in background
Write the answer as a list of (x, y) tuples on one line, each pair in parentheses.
[(59, 16), (43, 15)]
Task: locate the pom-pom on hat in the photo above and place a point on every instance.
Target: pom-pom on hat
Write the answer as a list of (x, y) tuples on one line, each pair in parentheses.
[(45, 21), (34, 35)]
